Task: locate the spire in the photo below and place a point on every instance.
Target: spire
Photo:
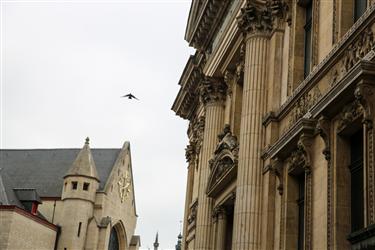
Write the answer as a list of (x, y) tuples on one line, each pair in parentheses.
[(178, 246), (156, 243), (84, 164)]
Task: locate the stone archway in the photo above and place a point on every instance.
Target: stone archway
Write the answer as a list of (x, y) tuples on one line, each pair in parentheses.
[(117, 237)]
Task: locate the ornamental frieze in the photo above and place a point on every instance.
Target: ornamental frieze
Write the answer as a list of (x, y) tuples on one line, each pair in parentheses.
[(356, 51)]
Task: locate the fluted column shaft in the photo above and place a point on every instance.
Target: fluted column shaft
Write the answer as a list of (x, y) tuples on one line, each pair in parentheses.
[(189, 187), (221, 230), (213, 126), (247, 213)]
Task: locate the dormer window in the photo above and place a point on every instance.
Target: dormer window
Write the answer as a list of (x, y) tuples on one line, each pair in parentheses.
[(74, 185)]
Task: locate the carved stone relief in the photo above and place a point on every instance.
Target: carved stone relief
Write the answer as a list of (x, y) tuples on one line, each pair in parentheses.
[(302, 106), (349, 114), (356, 51)]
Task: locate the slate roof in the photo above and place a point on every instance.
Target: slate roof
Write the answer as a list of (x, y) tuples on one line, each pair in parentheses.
[(44, 169)]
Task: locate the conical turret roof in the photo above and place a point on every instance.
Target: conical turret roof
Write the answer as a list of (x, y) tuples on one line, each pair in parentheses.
[(84, 164)]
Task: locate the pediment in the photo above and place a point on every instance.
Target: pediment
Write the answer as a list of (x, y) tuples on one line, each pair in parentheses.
[(224, 163)]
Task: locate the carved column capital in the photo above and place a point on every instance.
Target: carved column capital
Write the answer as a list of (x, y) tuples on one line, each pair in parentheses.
[(190, 152), (212, 90), (228, 79), (262, 16), (219, 213)]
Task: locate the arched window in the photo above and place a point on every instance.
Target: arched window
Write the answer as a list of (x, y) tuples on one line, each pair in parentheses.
[(113, 240)]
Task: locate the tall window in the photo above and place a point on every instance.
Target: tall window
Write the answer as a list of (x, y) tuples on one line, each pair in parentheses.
[(308, 38), (359, 8), (356, 178), (301, 210)]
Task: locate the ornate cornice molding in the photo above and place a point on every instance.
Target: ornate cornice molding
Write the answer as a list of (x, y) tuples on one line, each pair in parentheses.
[(212, 90)]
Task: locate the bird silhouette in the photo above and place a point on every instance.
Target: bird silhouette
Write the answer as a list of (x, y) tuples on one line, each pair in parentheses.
[(130, 96)]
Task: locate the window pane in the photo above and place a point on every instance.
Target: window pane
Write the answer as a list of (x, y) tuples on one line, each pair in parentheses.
[(359, 8)]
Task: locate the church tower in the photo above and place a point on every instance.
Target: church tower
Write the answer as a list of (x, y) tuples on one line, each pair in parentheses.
[(156, 243), (78, 195)]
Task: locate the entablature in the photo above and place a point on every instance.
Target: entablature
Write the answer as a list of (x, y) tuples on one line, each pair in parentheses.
[(204, 19), (187, 98)]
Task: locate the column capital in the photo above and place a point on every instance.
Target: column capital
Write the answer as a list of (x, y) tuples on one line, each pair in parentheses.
[(212, 90), (262, 16)]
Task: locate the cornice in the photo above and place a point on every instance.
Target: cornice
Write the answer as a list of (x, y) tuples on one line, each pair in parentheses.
[(187, 98), (199, 33)]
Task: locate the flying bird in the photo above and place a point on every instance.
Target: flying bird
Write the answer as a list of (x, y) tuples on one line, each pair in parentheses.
[(130, 96)]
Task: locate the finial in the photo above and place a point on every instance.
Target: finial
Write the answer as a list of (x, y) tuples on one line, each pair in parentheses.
[(87, 141)]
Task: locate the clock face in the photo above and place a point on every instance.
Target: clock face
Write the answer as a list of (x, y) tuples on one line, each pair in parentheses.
[(124, 185)]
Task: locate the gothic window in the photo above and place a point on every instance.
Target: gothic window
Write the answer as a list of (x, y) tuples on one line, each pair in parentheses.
[(113, 240), (356, 178), (359, 8), (308, 38)]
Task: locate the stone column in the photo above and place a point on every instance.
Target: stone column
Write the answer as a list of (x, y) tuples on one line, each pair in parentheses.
[(212, 93), (255, 22), (221, 228), (190, 158)]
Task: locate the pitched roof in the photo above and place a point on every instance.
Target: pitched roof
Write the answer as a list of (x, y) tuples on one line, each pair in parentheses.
[(44, 169)]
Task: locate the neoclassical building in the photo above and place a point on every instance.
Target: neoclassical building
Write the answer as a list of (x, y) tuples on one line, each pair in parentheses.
[(280, 98), (67, 199)]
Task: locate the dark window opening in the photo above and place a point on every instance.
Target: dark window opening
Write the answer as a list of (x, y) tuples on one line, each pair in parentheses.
[(356, 180), (308, 38), (65, 186), (301, 211), (79, 229), (86, 186), (359, 8), (74, 185), (113, 240)]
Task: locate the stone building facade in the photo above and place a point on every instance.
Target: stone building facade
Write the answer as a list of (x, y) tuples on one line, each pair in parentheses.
[(280, 98), (67, 199)]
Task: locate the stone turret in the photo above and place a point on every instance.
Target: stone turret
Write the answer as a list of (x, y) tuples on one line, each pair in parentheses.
[(179, 242), (78, 195), (156, 243)]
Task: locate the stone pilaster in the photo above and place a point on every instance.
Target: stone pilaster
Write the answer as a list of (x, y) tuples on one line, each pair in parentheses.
[(212, 93), (255, 22), (190, 158)]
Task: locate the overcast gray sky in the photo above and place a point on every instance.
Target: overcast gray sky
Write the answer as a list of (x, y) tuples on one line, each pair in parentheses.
[(65, 65)]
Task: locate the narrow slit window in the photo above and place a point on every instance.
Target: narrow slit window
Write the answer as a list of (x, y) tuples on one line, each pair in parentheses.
[(86, 186), (79, 229)]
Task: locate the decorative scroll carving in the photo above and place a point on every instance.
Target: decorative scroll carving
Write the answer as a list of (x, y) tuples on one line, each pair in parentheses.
[(364, 93), (349, 114), (276, 169), (323, 127), (212, 90), (240, 65), (225, 158)]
